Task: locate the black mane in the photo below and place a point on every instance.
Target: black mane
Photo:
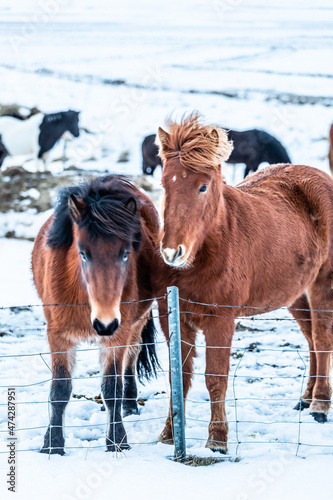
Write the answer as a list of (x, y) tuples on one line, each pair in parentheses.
[(53, 117), (104, 214)]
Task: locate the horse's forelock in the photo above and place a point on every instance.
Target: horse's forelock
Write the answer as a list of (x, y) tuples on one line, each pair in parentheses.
[(198, 147), (106, 215)]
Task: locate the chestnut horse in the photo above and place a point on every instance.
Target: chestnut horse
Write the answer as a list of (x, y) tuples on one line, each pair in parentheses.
[(265, 243), (330, 151), (96, 252)]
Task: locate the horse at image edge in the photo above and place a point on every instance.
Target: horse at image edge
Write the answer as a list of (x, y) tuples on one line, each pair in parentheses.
[(36, 136)]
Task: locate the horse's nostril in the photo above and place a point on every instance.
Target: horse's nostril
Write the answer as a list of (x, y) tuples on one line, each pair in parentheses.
[(98, 326), (180, 252), (113, 326), (105, 330)]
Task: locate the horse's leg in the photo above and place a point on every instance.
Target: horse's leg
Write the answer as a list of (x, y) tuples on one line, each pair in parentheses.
[(188, 334), (45, 162), (218, 339), (321, 299), (61, 388), (112, 389), (130, 406), (247, 170), (250, 167), (303, 318)]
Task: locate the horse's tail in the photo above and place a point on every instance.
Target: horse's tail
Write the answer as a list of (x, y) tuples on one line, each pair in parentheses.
[(277, 152), (147, 362)]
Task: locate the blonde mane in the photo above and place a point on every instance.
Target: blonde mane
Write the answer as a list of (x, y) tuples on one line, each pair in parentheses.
[(198, 147)]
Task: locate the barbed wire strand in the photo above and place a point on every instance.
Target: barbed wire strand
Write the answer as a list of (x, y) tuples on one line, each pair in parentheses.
[(57, 304), (235, 399), (264, 308)]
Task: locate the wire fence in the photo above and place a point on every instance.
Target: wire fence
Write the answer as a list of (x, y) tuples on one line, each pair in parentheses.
[(234, 401)]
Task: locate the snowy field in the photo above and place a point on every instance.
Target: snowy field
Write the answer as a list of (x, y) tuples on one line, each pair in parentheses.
[(127, 66)]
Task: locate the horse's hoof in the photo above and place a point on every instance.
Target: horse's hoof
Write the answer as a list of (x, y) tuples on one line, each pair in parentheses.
[(52, 451), (217, 447), (319, 416), (301, 405), (165, 437), (219, 450), (118, 447), (130, 411)]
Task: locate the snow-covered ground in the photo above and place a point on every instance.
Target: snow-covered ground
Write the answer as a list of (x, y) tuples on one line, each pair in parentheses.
[(126, 66)]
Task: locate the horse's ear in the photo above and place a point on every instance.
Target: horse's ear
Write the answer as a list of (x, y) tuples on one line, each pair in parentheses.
[(219, 138), (163, 137), (213, 136), (75, 206), (131, 205)]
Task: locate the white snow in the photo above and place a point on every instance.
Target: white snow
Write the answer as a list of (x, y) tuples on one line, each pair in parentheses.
[(174, 57), (32, 193)]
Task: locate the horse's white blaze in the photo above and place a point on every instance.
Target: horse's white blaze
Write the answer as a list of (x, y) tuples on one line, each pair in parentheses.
[(169, 253)]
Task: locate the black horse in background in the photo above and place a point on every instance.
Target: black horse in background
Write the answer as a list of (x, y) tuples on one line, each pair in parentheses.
[(150, 157), (254, 147), (251, 147), (3, 152)]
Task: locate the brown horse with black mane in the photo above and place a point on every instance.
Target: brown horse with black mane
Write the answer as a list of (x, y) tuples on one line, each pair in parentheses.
[(95, 254), (265, 243)]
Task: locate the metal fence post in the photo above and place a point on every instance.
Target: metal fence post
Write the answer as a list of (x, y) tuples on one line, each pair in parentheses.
[(176, 374)]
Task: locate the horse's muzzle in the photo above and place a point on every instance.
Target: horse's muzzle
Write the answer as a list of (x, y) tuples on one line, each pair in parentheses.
[(103, 330), (174, 257)]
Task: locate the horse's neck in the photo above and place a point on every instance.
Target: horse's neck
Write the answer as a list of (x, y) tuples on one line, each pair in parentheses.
[(61, 129), (33, 123), (58, 131), (74, 273), (227, 223)]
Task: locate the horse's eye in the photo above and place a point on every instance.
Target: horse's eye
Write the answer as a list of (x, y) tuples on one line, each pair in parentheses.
[(125, 255), (203, 188), (83, 257)]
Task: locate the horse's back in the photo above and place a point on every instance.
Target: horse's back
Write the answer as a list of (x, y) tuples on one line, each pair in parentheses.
[(279, 176), (20, 136), (287, 192)]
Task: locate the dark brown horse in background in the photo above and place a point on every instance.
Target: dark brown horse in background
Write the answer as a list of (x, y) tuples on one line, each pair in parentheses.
[(97, 249), (265, 243)]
